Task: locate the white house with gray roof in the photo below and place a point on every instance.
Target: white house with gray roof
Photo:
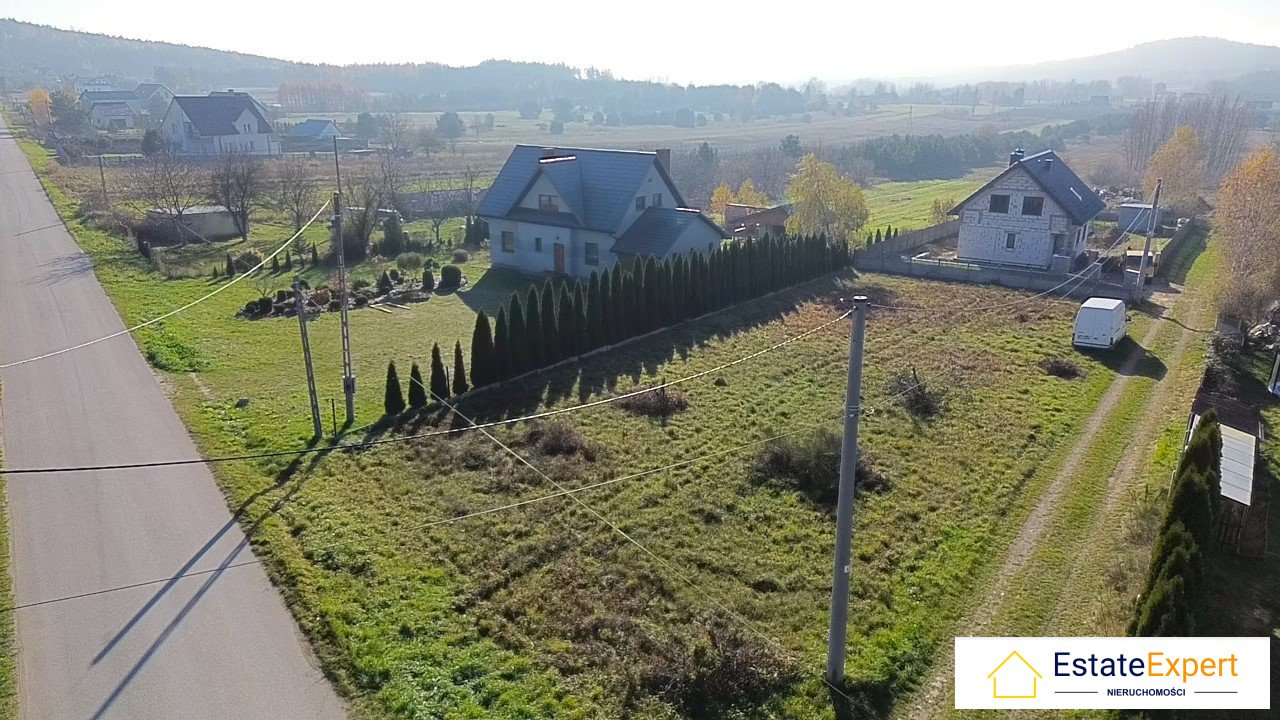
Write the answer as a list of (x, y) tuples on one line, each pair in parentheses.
[(572, 211), (1036, 213), (218, 123)]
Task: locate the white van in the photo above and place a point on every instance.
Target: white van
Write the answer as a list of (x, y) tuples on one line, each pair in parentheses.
[(1100, 323)]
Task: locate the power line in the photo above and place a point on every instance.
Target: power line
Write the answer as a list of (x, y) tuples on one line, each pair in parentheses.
[(443, 521), (419, 436), (175, 311)]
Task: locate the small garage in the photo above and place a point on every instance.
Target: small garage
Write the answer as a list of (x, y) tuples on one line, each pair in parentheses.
[(203, 222)]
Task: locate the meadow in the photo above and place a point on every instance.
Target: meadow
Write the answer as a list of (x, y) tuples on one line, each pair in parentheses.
[(545, 611)]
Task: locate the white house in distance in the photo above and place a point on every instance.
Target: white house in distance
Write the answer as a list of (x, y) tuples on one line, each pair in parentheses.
[(113, 116), (315, 129), (1034, 214), (218, 123), (572, 211)]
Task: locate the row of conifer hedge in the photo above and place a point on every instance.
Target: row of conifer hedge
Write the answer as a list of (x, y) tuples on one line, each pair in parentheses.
[(1173, 603), (562, 320)]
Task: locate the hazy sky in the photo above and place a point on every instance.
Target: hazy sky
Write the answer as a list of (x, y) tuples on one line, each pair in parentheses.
[(679, 41)]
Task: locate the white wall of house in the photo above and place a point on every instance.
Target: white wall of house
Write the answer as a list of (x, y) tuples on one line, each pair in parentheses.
[(985, 236), (542, 186), (533, 251), (698, 237), (111, 122)]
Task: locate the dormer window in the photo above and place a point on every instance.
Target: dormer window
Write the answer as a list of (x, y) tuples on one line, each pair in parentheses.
[(548, 203)]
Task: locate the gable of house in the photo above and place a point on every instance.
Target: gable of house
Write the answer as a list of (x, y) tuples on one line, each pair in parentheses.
[(314, 128), (1055, 179), (597, 188), (221, 114)]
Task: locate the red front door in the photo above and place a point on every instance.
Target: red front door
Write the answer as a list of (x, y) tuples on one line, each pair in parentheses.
[(559, 251)]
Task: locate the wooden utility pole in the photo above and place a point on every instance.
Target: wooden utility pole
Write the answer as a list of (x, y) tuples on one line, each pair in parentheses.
[(837, 636), (1151, 231), (301, 301), (348, 377)]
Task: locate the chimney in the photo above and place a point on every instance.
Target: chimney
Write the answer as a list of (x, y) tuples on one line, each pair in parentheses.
[(1016, 156), (664, 157)]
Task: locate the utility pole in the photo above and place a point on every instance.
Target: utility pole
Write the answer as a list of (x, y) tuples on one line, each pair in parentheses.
[(348, 378), (1151, 231), (301, 300), (838, 632), (102, 175)]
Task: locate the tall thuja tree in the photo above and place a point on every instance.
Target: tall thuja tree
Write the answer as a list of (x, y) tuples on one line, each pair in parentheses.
[(517, 337), (651, 285), (680, 288), (693, 286), (502, 345), (581, 326), (439, 380), (631, 287), (417, 390), (567, 323), (393, 398), (617, 324), (459, 370), (533, 329), (484, 366), (550, 330), (595, 312)]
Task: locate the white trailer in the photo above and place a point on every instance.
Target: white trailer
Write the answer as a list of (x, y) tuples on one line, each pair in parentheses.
[(1100, 323)]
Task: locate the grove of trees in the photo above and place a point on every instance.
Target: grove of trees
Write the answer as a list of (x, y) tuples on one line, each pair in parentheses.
[(1247, 220)]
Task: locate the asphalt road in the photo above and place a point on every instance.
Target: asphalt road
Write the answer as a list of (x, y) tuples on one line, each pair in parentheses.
[(220, 644)]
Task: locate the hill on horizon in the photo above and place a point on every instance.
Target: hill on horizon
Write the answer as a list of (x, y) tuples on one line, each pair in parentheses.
[(1180, 62)]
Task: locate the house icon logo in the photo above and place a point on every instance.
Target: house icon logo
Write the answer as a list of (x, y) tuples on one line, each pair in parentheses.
[(1014, 680)]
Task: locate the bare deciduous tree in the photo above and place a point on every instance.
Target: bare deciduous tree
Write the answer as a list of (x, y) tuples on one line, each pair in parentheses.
[(237, 183), (1221, 123), (362, 193), (167, 183), (296, 189)]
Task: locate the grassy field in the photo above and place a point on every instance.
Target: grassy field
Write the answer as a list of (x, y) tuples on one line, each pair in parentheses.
[(489, 149), (544, 611), (906, 205)]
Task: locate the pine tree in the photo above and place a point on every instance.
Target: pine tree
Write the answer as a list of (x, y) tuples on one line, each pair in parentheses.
[(533, 329), (393, 400), (551, 353), (566, 322), (439, 380), (483, 364), (275, 264), (595, 312), (417, 391), (215, 272), (502, 344), (231, 267), (315, 256), (517, 336), (288, 260), (879, 238), (428, 280), (459, 370), (384, 283), (680, 288)]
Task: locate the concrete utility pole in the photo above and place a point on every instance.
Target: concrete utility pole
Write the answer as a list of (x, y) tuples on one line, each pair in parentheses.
[(348, 377), (301, 300), (102, 175), (1151, 231), (837, 636)]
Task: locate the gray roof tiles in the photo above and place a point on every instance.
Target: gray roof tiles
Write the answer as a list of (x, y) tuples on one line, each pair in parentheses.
[(1058, 181), (216, 114), (605, 187), (657, 229)]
